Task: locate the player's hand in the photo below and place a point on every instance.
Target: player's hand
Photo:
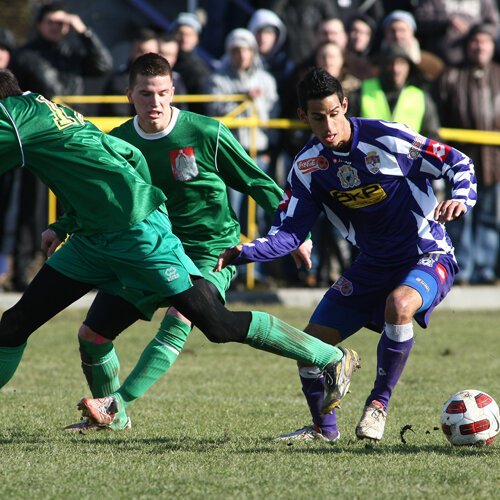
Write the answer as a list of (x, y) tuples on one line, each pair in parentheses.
[(303, 255), (50, 242), (227, 256), (449, 210)]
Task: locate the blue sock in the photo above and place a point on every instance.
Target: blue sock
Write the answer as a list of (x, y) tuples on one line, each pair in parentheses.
[(313, 388), (391, 360)]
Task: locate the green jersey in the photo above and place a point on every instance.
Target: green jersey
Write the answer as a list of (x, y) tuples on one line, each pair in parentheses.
[(193, 162), (105, 187)]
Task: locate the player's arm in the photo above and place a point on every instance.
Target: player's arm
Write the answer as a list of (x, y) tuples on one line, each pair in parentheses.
[(293, 221), (435, 161), (241, 173), (458, 169)]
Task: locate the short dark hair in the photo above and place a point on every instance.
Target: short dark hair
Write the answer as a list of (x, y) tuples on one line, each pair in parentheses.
[(9, 85), (48, 8), (150, 64), (318, 84), (144, 34)]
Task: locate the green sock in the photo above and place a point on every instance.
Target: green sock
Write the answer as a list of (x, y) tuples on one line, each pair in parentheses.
[(155, 360), (270, 334), (101, 367), (10, 357)]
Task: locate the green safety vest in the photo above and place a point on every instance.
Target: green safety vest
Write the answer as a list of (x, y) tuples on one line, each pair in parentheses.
[(409, 109)]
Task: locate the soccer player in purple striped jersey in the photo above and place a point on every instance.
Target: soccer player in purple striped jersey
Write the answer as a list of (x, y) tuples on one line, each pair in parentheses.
[(372, 179)]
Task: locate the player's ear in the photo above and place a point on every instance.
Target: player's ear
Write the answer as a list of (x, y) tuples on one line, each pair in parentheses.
[(345, 105), (302, 116), (129, 95)]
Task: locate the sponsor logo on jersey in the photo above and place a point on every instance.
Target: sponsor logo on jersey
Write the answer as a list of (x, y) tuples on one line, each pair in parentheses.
[(360, 197), (171, 273), (343, 285), (348, 176), (285, 200), (372, 161), (183, 163), (441, 270), (416, 147), (438, 150), (423, 283), (312, 164)]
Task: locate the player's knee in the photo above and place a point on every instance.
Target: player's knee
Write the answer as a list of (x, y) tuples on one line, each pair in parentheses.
[(86, 333), (399, 308), (226, 328)]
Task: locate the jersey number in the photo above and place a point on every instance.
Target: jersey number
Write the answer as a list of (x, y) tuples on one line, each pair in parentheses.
[(61, 118)]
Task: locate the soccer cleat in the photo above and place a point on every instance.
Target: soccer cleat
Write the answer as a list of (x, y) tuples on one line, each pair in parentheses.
[(372, 423), (100, 411), (338, 378), (307, 433), (86, 425)]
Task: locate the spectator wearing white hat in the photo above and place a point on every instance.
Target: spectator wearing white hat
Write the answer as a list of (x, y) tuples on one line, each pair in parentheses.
[(241, 72)]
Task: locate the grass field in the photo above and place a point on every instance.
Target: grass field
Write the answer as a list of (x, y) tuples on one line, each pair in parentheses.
[(206, 429)]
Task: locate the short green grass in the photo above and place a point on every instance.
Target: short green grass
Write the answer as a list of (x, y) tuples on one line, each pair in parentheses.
[(206, 429)]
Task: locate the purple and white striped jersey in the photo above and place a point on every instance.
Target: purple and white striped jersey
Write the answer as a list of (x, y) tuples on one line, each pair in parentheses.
[(378, 195)]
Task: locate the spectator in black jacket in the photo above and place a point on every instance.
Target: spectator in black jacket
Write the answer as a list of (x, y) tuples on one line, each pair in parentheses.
[(51, 63)]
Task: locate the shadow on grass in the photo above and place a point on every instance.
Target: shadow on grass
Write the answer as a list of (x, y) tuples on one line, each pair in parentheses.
[(160, 445)]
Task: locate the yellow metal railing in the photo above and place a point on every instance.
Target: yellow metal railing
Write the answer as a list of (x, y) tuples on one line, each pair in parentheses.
[(253, 122)]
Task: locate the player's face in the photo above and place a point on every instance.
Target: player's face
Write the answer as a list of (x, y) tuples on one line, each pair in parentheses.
[(152, 97), (328, 122)]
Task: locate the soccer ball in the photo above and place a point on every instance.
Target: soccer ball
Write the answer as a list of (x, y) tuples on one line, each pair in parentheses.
[(470, 418)]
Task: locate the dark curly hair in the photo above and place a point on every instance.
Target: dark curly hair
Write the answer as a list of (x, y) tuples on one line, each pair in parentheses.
[(317, 84)]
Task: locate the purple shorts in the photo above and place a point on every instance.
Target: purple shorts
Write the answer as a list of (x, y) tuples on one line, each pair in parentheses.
[(357, 299)]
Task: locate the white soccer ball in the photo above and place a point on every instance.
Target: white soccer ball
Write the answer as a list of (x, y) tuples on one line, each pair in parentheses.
[(470, 418)]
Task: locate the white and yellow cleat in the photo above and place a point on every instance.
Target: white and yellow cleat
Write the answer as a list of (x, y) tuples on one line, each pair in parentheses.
[(372, 423), (338, 379)]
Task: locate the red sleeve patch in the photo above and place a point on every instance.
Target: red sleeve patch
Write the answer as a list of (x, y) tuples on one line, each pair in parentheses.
[(285, 200), (438, 150), (441, 270)]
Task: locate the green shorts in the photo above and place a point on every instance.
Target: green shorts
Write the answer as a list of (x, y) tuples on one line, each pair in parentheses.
[(145, 261), (148, 303)]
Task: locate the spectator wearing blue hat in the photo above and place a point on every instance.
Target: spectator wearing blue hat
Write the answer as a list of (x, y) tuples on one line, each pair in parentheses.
[(400, 27)]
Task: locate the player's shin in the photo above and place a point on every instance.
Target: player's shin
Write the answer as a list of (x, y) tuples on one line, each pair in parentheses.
[(101, 367), (313, 387), (10, 357), (393, 350), (270, 334), (155, 360)]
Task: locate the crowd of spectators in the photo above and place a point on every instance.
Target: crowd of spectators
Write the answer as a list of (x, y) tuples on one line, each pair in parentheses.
[(427, 63)]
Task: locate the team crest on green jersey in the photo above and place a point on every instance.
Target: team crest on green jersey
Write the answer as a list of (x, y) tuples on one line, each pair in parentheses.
[(183, 163)]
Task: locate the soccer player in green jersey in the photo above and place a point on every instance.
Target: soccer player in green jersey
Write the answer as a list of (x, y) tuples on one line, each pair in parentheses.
[(192, 159), (120, 238)]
